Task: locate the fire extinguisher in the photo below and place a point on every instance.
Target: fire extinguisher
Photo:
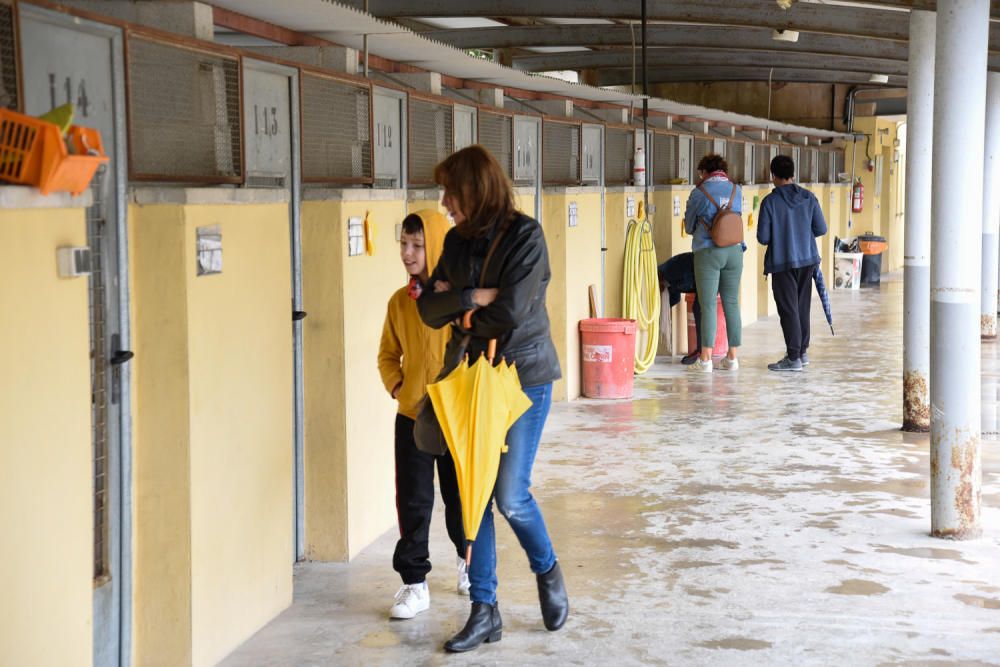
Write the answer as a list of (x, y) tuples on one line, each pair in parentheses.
[(857, 197)]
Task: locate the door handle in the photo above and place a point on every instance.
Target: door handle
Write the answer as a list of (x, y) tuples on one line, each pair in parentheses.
[(298, 315), (121, 356)]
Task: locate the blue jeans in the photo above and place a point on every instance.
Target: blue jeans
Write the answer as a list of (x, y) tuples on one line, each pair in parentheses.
[(514, 500)]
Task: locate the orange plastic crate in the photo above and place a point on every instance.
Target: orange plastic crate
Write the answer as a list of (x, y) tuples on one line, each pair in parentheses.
[(21, 147), (65, 172)]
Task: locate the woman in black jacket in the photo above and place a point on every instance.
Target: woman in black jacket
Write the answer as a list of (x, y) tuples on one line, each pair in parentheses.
[(479, 198)]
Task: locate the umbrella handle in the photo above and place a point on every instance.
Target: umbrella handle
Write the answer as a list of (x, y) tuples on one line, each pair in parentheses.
[(468, 554), (491, 351)]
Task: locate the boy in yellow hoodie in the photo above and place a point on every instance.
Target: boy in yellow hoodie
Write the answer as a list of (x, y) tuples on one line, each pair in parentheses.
[(410, 357)]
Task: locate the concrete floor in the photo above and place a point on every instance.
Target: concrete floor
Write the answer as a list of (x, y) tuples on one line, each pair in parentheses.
[(746, 518)]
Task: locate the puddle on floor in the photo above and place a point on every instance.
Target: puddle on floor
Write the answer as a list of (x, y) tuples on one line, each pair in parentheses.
[(737, 644), (858, 587), (380, 639), (978, 601), (924, 552)]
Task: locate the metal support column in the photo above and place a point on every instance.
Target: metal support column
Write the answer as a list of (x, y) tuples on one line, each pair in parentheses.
[(959, 128), (991, 216), (917, 236)]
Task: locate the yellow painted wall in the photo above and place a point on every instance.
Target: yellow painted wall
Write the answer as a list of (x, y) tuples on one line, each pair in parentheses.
[(241, 367), (878, 211), (213, 441), (350, 419), (575, 256), (615, 226), (45, 446), (161, 437)]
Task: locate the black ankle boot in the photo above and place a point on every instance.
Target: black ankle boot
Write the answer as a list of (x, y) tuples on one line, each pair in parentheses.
[(552, 596), (484, 625)]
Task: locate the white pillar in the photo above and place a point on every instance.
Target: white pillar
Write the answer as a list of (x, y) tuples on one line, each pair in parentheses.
[(991, 215), (917, 234), (957, 210)]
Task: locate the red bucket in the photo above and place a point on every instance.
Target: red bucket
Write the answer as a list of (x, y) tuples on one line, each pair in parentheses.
[(721, 336), (608, 353)]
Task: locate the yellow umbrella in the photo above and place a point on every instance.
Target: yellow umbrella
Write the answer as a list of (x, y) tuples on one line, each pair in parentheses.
[(476, 404)]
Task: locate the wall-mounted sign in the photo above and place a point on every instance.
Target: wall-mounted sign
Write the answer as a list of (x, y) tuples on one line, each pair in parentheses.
[(209, 248), (677, 205), (573, 221), (355, 237), (630, 207)]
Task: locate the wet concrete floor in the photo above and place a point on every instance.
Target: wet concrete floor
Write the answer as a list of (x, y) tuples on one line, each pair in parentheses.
[(737, 518)]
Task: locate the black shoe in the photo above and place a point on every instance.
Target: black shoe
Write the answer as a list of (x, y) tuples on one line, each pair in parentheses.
[(552, 596), (484, 625), (689, 359)]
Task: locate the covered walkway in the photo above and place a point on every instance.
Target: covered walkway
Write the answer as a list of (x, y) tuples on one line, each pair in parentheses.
[(731, 519)]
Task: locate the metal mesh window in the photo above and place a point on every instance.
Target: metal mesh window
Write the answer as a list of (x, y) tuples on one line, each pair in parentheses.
[(560, 153), (8, 59), (824, 167), (665, 151), (618, 148), (336, 130), (431, 138), (496, 134), (805, 171), (786, 150), (184, 113), (736, 157), (702, 147), (840, 162), (762, 163)]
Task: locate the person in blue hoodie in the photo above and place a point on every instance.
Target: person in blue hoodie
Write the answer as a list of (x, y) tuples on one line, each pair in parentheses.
[(790, 220)]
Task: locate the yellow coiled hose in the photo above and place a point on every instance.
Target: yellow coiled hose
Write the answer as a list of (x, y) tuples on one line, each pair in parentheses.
[(640, 291)]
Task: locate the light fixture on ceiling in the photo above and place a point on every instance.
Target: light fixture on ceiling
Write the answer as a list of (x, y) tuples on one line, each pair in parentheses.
[(785, 35), (785, 4), (878, 78)]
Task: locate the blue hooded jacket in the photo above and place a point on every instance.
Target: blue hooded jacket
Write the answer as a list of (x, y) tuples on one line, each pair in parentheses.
[(790, 220)]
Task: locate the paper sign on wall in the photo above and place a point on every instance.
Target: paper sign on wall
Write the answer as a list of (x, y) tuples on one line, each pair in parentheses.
[(630, 207), (209, 248), (355, 237), (573, 221), (677, 205)]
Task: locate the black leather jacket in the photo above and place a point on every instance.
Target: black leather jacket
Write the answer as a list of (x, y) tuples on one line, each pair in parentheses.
[(517, 319)]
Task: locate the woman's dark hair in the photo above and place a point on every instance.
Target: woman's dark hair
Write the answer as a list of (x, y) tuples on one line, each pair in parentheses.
[(413, 224), (480, 188), (783, 167), (713, 162)]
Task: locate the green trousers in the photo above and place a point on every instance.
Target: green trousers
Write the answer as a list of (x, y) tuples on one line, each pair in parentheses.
[(718, 271)]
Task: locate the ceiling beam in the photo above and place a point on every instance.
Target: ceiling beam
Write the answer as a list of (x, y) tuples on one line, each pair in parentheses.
[(689, 36), (696, 74), (717, 57), (926, 5), (808, 17)]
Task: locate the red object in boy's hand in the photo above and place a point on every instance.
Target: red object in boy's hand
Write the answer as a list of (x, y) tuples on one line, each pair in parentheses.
[(415, 288)]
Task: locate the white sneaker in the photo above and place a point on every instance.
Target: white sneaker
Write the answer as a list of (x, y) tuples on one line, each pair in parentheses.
[(463, 577), (411, 599), (730, 364), (700, 366)]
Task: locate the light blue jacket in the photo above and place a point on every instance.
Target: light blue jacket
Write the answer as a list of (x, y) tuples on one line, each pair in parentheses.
[(700, 208)]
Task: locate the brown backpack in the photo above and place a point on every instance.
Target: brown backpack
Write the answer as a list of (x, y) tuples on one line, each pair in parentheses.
[(727, 225)]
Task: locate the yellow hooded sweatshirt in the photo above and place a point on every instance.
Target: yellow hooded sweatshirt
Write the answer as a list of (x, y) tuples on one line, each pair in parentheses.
[(411, 352)]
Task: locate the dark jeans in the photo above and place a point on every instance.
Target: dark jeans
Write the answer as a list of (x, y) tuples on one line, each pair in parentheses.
[(793, 297), (514, 500), (415, 504), (696, 308)]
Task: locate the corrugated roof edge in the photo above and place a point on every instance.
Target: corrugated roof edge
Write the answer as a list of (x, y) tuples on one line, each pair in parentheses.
[(411, 48)]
